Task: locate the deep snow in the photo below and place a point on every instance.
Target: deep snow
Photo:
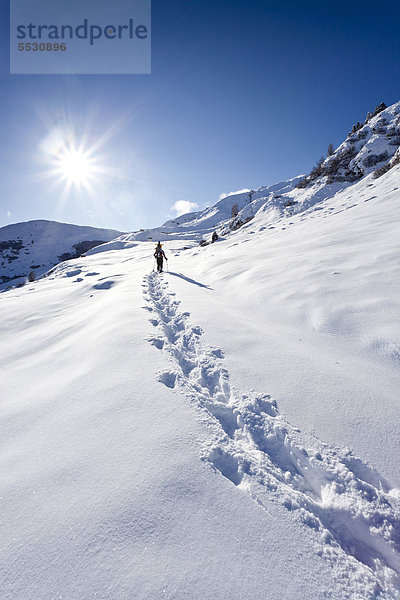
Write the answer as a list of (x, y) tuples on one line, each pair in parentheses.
[(104, 491), (227, 429)]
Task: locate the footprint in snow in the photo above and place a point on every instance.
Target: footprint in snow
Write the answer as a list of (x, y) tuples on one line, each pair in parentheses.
[(217, 352), (366, 473), (227, 465), (168, 378), (197, 331), (157, 342)]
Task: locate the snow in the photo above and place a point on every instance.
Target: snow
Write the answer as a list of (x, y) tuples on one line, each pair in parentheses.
[(378, 141), (226, 429), (197, 225), (104, 493), (324, 286), (39, 244)]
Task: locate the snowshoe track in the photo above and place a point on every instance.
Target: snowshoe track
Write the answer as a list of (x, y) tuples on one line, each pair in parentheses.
[(353, 511)]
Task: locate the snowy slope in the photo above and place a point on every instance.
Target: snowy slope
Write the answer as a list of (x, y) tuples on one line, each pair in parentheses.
[(324, 285), (104, 493), (201, 224), (373, 146), (228, 429), (38, 245), (171, 444), (307, 310)]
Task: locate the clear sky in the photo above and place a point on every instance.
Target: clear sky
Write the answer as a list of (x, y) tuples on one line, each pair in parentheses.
[(242, 94)]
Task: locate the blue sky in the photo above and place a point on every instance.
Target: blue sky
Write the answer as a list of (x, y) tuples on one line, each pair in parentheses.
[(241, 94)]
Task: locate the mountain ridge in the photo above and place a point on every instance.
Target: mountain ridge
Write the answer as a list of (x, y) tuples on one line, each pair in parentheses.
[(36, 246), (371, 148)]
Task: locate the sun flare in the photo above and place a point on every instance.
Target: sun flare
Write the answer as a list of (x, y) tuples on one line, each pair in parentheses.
[(78, 164), (73, 163), (75, 166)]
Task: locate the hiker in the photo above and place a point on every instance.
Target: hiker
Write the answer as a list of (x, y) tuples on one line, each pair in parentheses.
[(159, 254)]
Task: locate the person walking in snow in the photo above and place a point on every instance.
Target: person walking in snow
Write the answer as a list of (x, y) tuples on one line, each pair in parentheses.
[(159, 255)]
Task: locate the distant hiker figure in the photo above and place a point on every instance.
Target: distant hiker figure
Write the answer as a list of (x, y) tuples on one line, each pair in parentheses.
[(159, 255)]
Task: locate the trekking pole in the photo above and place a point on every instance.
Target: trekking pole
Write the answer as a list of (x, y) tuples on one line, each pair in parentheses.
[(154, 263)]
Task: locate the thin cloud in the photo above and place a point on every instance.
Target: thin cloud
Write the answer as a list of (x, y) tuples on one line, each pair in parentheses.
[(181, 207)]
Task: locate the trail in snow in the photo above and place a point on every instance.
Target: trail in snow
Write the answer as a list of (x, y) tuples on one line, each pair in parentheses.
[(354, 511)]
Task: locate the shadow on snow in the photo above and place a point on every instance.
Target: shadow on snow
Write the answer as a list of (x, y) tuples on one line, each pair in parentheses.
[(190, 280)]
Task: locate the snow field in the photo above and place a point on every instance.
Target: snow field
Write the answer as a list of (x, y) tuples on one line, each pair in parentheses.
[(310, 313), (225, 430), (104, 494), (353, 510)]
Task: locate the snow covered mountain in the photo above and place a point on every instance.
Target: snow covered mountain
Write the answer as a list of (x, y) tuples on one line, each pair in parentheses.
[(36, 246), (227, 429), (201, 224), (372, 147)]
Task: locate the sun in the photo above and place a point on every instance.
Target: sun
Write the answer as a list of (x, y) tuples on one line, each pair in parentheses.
[(75, 166), (77, 163), (73, 163)]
